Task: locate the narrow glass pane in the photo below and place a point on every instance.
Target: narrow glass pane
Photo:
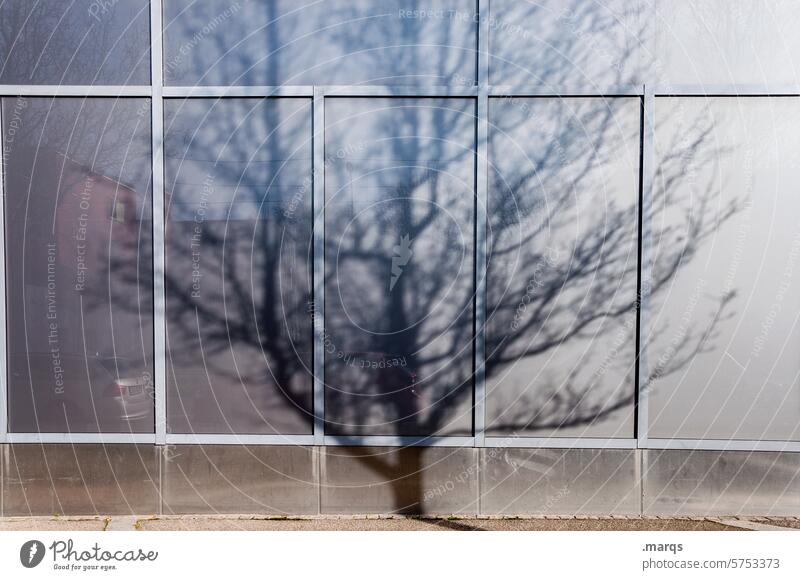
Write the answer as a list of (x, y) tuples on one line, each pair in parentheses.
[(726, 238), (727, 41), (239, 338), (61, 42), (562, 266), (79, 263), (300, 42), (399, 226), (560, 43)]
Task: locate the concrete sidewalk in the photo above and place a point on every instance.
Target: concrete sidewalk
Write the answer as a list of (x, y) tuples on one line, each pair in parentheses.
[(250, 522)]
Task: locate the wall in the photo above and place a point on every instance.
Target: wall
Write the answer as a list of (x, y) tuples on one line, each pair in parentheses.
[(555, 242)]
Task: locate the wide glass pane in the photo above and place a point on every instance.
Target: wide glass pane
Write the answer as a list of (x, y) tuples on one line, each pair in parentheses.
[(399, 224), (568, 42), (61, 42), (79, 263), (726, 244), (238, 182), (300, 42), (562, 266), (727, 41)]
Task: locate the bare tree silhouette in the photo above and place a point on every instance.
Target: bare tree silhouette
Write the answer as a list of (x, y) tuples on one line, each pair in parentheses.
[(399, 323)]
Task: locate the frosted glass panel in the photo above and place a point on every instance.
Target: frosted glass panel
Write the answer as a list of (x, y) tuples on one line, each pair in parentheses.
[(563, 226), (399, 226), (238, 180), (724, 329)]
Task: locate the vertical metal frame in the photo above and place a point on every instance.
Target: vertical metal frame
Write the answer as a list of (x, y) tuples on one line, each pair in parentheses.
[(159, 225), (645, 265), (3, 329), (481, 201), (318, 284)]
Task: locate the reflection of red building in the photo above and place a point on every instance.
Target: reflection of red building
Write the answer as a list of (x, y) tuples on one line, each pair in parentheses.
[(90, 215), (94, 211), (80, 301)]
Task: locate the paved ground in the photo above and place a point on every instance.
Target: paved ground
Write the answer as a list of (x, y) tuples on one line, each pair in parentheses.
[(88, 524), (434, 524), (392, 523), (793, 523)]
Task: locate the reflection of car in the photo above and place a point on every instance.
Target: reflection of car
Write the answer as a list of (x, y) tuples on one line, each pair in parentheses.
[(80, 393), (131, 388)]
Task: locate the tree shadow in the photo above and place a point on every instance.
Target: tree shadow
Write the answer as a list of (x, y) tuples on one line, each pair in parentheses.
[(400, 213), (400, 210)]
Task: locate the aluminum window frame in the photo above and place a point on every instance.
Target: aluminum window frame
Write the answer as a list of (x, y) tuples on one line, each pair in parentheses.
[(481, 91)]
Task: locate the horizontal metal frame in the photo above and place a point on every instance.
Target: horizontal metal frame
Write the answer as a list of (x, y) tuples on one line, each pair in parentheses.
[(391, 441), (397, 91), (723, 445), (239, 91), (232, 439), (566, 91), (75, 91), (561, 442), (80, 438), (727, 90)]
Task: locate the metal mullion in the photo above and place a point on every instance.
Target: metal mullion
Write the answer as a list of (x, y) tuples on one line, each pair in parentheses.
[(159, 246), (318, 283), (3, 342), (645, 266), (481, 200)]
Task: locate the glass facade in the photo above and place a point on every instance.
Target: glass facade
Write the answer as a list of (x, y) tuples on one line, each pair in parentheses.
[(724, 336), (727, 41), (50, 42), (562, 266), (399, 227), (337, 42), (239, 338), (455, 222), (78, 255)]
